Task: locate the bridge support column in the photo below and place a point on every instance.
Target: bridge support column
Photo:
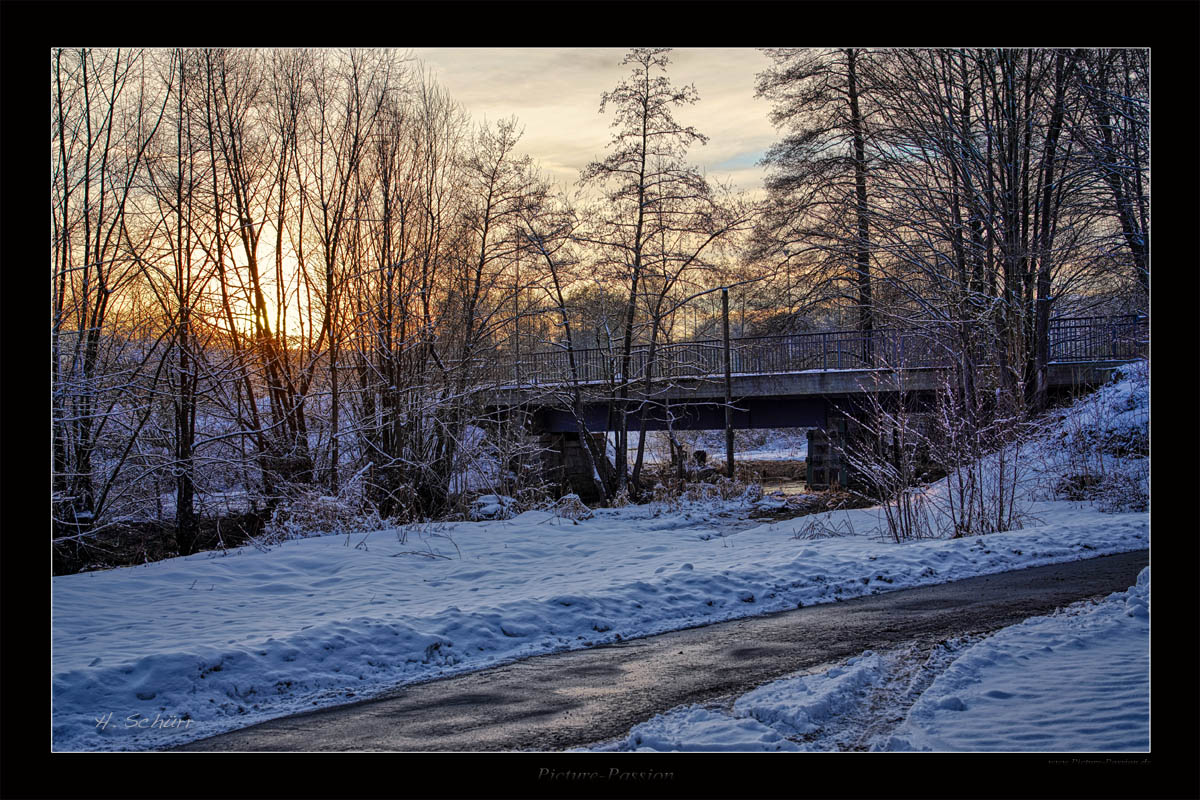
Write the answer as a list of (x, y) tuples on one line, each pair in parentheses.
[(565, 465), (824, 465)]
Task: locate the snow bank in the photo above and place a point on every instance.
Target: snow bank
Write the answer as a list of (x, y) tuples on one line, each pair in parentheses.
[(801, 704), (771, 719), (1097, 450), (1077, 681), (774, 717), (696, 728), (226, 640)]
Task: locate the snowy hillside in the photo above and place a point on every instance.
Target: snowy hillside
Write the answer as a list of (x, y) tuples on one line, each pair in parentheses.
[(190, 647)]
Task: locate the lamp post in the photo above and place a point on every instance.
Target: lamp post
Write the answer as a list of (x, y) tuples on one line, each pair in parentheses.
[(728, 382)]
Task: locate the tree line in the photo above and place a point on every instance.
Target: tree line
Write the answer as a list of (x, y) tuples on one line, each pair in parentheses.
[(283, 271), (975, 191)]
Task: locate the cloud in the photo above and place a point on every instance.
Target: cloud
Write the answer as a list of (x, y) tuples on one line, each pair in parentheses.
[(555, 94)]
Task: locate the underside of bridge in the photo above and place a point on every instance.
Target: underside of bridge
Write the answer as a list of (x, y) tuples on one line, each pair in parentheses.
[(818, 400), (699, 415), (786, 400)]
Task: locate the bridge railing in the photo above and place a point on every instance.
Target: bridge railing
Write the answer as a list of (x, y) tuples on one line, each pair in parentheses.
[(1071, 339), (1098, 338)]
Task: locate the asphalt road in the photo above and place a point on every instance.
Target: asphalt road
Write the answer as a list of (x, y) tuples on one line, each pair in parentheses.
[(563, 700)]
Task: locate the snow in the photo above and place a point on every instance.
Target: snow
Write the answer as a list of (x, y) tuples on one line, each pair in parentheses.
[(229, 640), (159, 654), (492, 506), (710, 377), (767, 444), (1074, 681), (698, 728), (1071, 682), (774, 717)]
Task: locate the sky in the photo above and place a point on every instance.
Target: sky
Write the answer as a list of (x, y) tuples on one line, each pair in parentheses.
[(555, 94)]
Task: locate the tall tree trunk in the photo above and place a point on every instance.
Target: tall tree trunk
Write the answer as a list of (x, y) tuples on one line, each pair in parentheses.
[(1062, 75), (862, 253)]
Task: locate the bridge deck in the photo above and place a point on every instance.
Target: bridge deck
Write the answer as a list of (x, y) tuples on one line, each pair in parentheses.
[(826, 362), (798, 400)]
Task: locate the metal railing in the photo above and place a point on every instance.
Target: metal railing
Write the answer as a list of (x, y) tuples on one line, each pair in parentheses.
[(1072, 339), (1098, 338)]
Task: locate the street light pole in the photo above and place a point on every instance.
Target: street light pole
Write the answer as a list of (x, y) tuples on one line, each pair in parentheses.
[(728, 383)]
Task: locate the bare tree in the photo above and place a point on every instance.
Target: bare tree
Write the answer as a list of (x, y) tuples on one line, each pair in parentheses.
[(1115, 132), (659, 219), (105, 113), (409, 214), (348, 91), (243, 156), (549, 227), (818, 209), (982, 209), (384, 301), (174, 179)]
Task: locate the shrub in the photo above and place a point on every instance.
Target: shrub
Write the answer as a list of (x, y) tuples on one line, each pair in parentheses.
[(569, 506), (822, 527), (1078, 486), (311, 513), (1122, 492), (492, 507)]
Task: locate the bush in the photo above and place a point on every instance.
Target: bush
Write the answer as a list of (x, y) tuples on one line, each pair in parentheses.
[(752, 493), (569, 506), (670, 495), (722, 489), (311, 513), (492, 507), (1122, 493), (1078, 487), (666, 497), (822, 527)]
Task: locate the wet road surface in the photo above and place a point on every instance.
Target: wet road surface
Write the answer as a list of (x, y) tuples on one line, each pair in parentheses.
[(562, 700)]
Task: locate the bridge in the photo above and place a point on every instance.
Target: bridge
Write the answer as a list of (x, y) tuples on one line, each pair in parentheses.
[(802, 380), (787, 380)]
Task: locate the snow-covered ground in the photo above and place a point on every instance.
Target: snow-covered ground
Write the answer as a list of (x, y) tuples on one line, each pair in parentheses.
[(767, 444), (163, 653), (1074, 681), (771, 444)]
